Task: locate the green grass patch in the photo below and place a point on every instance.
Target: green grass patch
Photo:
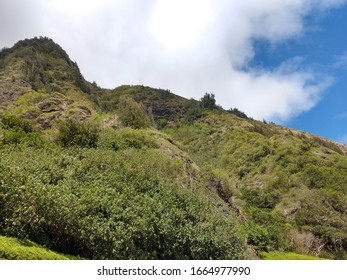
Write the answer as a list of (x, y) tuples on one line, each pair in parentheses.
[(286, 256), (16, 249)]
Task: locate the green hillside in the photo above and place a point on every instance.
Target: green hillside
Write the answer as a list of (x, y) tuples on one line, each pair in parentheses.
[(15, 249), (141, 173), (288, 187)]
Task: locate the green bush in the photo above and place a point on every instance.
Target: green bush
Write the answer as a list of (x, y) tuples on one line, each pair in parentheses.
[(106, 204), (194, 110), (13, 121), (126, 138), (132, 114), (208, 101), (237, 112), (18, 135), (261, 198), (263, 238), (15, 249), (74, 133), (17, 130)]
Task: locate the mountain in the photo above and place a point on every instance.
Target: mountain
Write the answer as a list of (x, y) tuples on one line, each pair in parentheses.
[(141, 173)]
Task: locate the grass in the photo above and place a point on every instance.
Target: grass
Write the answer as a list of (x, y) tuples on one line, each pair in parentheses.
[(276, 255), (16, 249)]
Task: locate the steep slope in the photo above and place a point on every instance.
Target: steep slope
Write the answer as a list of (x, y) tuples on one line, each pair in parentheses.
[(39, 81), (95, 191), (84, 171), (289, 187)]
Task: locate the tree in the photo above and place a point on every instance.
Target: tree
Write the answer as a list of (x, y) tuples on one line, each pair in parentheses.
[(133, 114), (238, 113), (208, 101), (193, 110), (72, 133)]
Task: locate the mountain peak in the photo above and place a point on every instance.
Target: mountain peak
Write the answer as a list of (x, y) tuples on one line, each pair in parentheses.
[(40, 45), (42, 63), (277, 188)]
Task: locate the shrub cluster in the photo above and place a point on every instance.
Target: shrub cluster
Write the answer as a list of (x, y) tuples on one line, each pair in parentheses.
[(16, 130), (123, 199), (73, 133), (133, 114)]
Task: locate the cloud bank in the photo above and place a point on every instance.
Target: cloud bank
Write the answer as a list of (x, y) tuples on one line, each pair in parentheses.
[(188, 46)]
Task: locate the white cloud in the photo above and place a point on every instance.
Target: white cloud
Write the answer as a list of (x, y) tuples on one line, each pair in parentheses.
[(340, 61), (188, 46), (275, 95)]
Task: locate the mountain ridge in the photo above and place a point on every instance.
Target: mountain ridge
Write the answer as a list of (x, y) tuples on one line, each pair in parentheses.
[(260, 181), (45, 44)]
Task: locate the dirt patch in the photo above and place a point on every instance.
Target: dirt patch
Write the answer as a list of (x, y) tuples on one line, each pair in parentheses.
[(50, 106), (84, 110)]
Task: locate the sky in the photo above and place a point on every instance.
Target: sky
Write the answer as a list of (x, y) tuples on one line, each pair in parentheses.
[(283, 61)]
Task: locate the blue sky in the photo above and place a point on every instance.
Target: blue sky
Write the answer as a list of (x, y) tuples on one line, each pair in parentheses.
[(322, 48), (283, 61)]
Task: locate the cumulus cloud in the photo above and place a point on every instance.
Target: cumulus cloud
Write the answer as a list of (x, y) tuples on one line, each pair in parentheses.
[(188, 46)]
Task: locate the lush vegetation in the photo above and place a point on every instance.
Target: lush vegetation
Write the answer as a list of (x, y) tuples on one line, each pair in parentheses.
[(133, 114), (21, 249), (289, 189), (286, 256), (85, 171), (123, 199)]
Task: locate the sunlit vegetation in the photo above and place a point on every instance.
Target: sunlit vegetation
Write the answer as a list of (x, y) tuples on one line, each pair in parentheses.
[(22, 249), (286, 256), (141, 173), (122, 199), (279, 182)]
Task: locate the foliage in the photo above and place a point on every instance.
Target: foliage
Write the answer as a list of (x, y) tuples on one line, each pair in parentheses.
[(110, 203), (271, 171), (208, 101), (15, 249), (286, 256), (133, 114), (73, 133), (194, 111), (13, 121), (126, 138), (133, 192), (38, 54), (260, 198), (263, 238), (17, 130), (238, 113), (17, 135)]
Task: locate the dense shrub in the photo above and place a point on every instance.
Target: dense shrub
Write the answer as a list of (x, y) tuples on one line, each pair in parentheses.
[(15, 249), (17, 136), (13, 121), (194, 111), (16, 130), (133, 114), (126, 138), (237, 112), (72, 133), (208, 101), (261, 198), (110, 203)]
